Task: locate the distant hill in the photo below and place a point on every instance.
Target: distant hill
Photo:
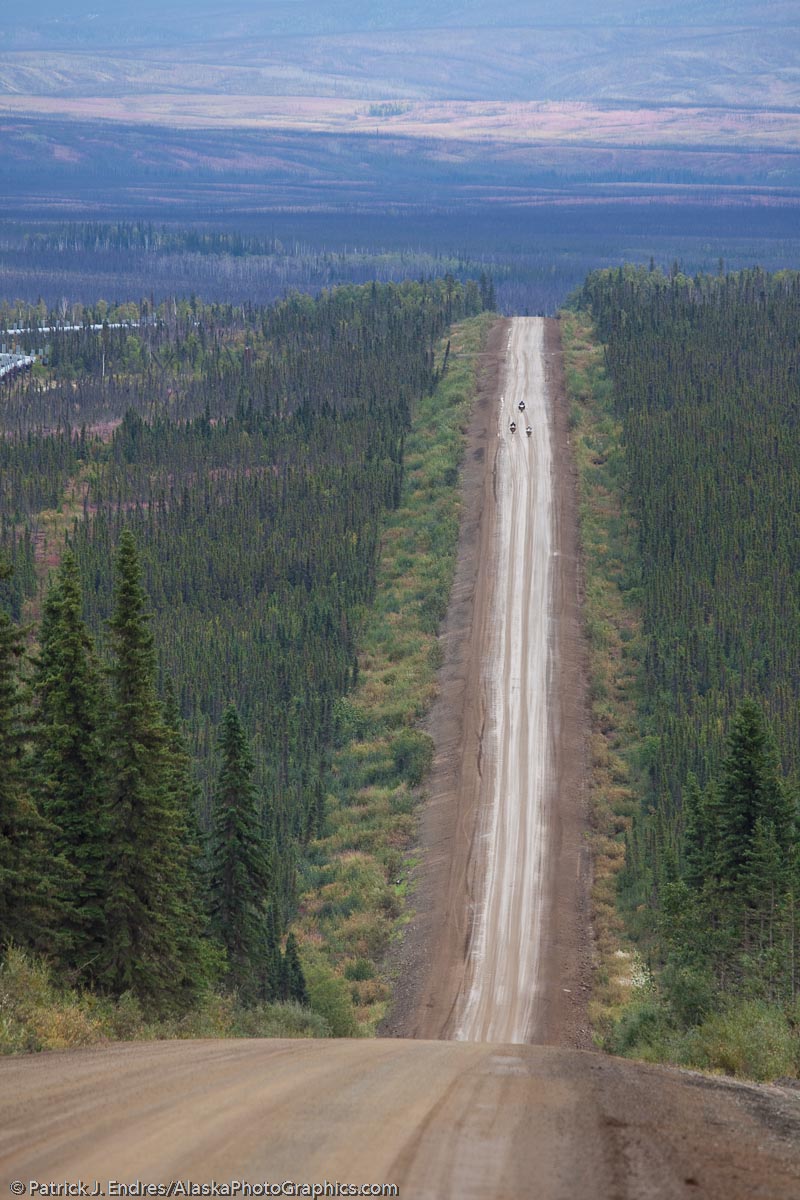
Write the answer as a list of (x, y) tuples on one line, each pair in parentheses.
[(710, 52)]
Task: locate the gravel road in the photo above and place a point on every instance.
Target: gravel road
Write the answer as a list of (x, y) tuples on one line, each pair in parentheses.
[(438, 1120), (504, 953)]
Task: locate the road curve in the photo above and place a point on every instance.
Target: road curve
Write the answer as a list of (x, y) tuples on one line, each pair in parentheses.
[(436, 1119), (503, 959)]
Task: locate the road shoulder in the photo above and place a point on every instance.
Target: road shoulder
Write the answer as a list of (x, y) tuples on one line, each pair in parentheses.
[(428, 965)]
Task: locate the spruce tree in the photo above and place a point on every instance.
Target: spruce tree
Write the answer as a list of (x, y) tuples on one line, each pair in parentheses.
[(697, 836), (185, 788), (154, 923), (751, 789), (32, 876), (16, 879), (739, 851), (768, 881), (67, 763), (293, 980), (272, 976), (240, 869), (185, 794)]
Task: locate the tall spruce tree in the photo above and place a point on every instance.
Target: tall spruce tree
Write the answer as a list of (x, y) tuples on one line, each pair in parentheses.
[(67, 765), (736, 913), (154, 922), (16, 868), (32, 877), (751, 790), (292, 977), (185, 788), (698, 840), (185, 792), (241, 870)]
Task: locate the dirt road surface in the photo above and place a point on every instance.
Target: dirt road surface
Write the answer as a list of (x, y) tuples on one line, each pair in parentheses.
[(502, 980), (496, 957), (500, 949), (436, 1119)]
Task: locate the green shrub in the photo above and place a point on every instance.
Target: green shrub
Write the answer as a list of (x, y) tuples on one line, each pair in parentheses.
[(125, 1018), (289, 1020), (749, 1039), (643, 1025), (690, 993), (329, 997), (358, 970), (413, 755)]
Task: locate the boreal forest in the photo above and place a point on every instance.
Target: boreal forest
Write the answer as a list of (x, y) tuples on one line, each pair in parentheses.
[(705, 384), (192, 498), (194, 503)]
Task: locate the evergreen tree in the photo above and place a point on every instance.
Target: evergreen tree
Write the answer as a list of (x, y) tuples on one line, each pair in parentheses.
[(15, 874), (66, 764), (767, 878), (185, 789), (273, 974), (697, 836), (185, 795), (31, 877), (255, 464), (240, 868), (751, 790), (154, 924), (736, 913), (293, 980)]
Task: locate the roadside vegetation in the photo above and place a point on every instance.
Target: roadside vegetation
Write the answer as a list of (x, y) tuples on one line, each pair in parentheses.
[(355, 879), (704, 832), (39, 1012), (613, 626)]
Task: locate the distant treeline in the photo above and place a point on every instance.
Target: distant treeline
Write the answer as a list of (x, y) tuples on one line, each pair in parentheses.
[(66, 263), (138, 235), (533, 256), (705, 375)]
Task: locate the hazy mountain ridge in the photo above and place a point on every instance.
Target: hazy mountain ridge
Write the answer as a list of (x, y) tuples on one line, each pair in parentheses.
[(739, 53), (188, 20)]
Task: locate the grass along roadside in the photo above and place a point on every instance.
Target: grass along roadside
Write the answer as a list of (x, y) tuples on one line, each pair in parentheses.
[(39, 1012), (614, 638), (354, 881)]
